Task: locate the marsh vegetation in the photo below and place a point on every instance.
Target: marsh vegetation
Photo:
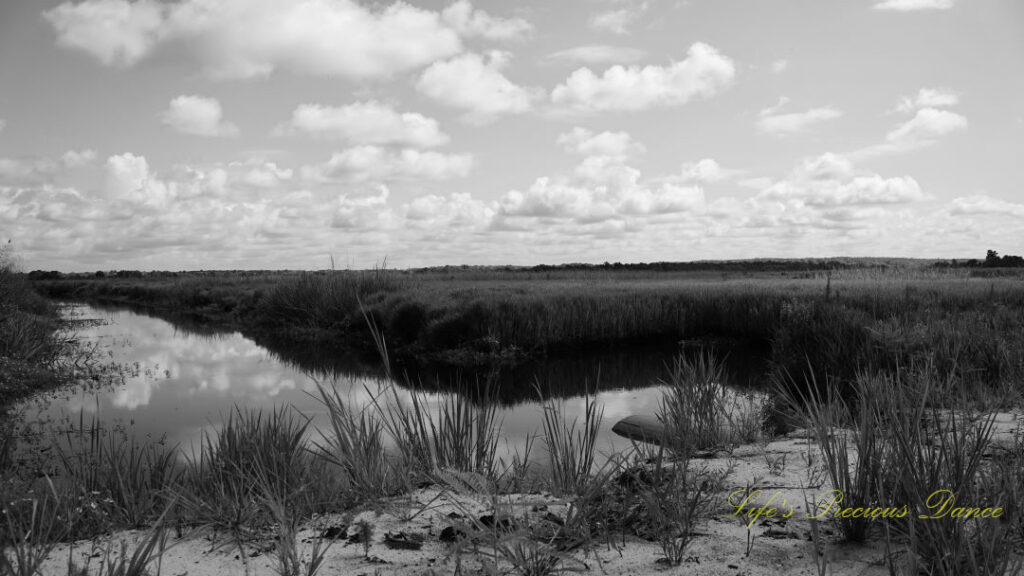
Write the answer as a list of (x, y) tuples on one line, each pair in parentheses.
[(900, 377)]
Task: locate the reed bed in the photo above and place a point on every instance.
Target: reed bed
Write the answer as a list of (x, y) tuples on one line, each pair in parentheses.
[(828, 327)]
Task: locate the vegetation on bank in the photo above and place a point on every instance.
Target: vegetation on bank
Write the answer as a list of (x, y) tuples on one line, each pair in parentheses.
[(817, 324), (265, 474), (34, 349), (908, 362)]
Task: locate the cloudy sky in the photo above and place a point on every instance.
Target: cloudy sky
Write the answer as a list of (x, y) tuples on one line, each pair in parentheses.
[(190, 134)]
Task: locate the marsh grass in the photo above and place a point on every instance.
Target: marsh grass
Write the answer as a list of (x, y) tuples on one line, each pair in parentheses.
[(255, 453), (31, 527), (287, 514), (700, 413), (133, 476), (852, 447), (356, 445), (676, 498), (455, 432), (571, 445), (149, 550), (936, 452)]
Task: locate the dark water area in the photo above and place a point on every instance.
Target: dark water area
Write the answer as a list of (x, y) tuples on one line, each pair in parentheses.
[(181, 378)]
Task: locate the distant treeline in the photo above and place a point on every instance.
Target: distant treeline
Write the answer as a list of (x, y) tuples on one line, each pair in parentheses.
[(755, 265), (992, 260)]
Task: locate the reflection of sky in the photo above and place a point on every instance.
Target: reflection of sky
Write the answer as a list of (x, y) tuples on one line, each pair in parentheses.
[(178, 384)]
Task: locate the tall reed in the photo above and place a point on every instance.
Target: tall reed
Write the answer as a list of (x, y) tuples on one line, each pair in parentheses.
[(693, 408), (571, 445), (356, 445)]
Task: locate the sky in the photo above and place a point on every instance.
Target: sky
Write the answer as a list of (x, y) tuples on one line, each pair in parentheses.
[(270, 134)]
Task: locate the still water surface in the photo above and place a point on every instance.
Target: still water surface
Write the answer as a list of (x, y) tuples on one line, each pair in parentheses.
[(177, 383)]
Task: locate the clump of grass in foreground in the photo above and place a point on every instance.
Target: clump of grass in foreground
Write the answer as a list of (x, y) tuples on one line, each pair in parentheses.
[(356, 446), (835, 423), (695, 410), (676, 497), (149, 550), (221, 487), (571, 445), (29, 530), (134, 477), (935, 454), (455, 433)]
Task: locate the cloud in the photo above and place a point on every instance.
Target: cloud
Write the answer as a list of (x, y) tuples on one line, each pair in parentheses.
[(474, 83), (247, 38), (926, 125), (374, 163), (705, 170), (913, 5), (779, 66), (830, 180), (617, 21), (198, 116), (266, 175), (703, 73), (115, 32), (598, 54), (3, 124), (435, 212), (984, 204), (366, 123), (928, 98), (601, 189), (78, 158), (585, 142), (771, 122), (468, 22), (38, 170), (129, 180)]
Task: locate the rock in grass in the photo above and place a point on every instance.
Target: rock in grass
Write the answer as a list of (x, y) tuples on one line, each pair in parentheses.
[(337, 532), (403, 541), (641, 427), (451, 534)]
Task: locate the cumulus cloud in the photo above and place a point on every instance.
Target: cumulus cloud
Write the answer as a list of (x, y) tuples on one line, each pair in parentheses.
[(474, 83), (830, 180), (198, 116), (705, 170), (266, 175), (116, 32), (617, 21), (586, 142), (602, 190), (771, 121), (913, 5), (374, 163), (926, 125), (242, 38), (78, 158), (433, 212), (928, 98), (41, 169), (471, 23), (597, 54), (780, 65), (703, 73), (984, 204), (369, 122)]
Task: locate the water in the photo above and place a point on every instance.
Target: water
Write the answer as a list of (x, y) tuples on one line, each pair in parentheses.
[(179, 381)]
